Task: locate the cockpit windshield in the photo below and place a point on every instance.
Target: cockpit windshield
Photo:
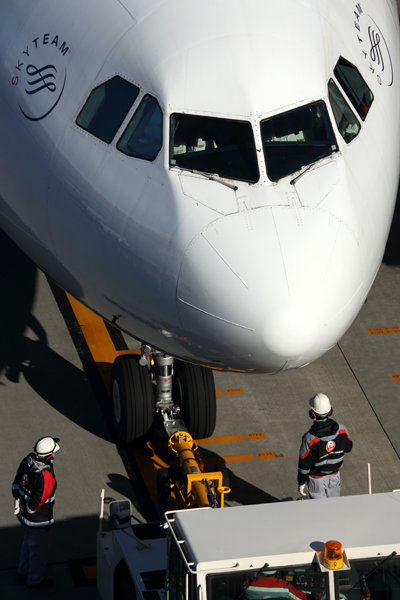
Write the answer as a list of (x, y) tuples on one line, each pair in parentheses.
[(213, 145), (306, 583), (297, 138)]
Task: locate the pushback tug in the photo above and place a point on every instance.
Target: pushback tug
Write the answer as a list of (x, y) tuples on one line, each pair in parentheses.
[(342, 548)]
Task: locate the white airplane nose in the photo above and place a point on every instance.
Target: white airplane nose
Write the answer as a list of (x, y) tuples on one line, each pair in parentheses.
[(289, 333), (277, 285)]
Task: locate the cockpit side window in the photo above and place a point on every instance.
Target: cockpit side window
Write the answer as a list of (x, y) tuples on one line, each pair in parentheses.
[(223, 147), (143, 136), (346, 121), (297, 138), (354, 86), (107, 107)]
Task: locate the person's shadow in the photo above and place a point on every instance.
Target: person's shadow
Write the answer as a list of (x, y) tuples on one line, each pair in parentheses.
[(25, 351)]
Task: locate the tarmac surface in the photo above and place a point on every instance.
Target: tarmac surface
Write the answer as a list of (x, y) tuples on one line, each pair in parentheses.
[(45, 390)]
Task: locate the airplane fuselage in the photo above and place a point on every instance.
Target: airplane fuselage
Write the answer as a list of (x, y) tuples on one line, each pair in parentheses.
[(259, 265)]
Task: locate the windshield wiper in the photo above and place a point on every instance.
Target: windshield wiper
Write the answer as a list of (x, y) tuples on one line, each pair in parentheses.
[(253, 579), (295, 180), (364, 577), (214, 178)]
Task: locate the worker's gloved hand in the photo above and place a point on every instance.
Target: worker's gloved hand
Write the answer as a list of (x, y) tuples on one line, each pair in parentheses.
[(17, 507), (301, 489)]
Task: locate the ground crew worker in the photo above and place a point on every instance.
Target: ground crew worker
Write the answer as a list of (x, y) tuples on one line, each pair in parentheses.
[(33, 491), (269, 586), (322, 450)]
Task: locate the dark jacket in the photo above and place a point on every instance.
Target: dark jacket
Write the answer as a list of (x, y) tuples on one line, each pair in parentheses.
[(35, 485), (322, 449)]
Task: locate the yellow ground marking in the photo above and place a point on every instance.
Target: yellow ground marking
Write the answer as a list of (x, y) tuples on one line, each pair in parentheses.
[(104, 354), (395, 377), (90, 571), (149, 462), (234, 392), (218, 393), (381, 330), (255, 436), (262, 455), (98, 339), (220, 439)]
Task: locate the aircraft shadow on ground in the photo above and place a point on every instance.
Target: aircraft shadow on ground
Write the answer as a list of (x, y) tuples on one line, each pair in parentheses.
[(18, 276), (242, 492), (392, 252), (72, 539), (61, 384), (135, 492)]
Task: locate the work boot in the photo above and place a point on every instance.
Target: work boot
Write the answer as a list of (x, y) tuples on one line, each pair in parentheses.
[(45, 583)]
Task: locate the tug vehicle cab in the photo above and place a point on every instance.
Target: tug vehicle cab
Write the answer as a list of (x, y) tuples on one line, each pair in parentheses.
[(342, 548)]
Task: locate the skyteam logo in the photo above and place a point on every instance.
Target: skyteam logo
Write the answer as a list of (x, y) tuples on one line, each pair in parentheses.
[(39, 79), (41, 71), (373, 46), (330, 446)]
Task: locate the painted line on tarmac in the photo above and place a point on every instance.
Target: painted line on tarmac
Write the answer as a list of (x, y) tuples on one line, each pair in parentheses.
[(241, 458), (90, 571), (231, 392), (386, 330), (268, 455), (220, 439), (255, 436), (149, 463), (224, 439), (80, 321), (383, 330), (104, 353), (83, 571), (98, 339)]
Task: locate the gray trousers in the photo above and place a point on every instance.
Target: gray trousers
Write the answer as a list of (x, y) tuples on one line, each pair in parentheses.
[(327, 486), (34, 551)]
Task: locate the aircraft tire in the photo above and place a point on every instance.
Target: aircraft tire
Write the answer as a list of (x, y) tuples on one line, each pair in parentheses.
[(194, 391), (132, 399)]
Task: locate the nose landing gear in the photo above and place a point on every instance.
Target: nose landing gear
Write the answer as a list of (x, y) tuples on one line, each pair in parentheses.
[(140, 386)]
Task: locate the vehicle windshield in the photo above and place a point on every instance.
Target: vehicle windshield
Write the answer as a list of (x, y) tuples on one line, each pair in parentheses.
[(304, 582), (297, 138), (216, 146), (377, 579)]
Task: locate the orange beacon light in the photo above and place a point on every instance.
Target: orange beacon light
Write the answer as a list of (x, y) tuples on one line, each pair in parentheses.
[(333, 555)]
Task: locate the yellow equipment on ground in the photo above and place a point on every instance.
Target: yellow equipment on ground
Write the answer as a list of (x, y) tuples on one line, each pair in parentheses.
[(195, 488)]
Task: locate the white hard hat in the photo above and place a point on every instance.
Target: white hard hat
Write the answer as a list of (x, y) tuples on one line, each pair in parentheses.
[(320, 404), (46, 446)]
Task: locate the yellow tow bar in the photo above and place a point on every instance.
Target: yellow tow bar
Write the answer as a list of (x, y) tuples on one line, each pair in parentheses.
[(199, 487)]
